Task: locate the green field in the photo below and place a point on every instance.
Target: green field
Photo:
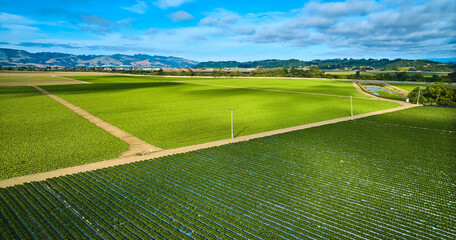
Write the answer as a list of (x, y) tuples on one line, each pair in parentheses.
[(344, 88), (389, 176), (38, 134), (409, 87), (170, 115)]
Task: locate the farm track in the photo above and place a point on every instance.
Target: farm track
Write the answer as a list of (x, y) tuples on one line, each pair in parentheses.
[(160, 153), (136, 145), (400, 90), (78, 81)]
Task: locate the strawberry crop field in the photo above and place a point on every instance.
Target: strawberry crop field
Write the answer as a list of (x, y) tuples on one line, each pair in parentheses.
[(390, 176)]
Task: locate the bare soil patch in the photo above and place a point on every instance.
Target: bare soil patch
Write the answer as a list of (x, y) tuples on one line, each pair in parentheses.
[(50, 74)]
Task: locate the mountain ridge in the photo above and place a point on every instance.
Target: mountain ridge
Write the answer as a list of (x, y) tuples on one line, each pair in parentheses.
[(22, 58), (336, 64), (14, 57)]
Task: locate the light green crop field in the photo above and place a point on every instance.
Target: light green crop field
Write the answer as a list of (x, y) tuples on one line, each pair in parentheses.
[(409, 87), (38, 134), (344, 88), (171, 115)]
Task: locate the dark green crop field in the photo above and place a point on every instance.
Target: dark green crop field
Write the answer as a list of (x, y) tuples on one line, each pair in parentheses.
[(38, 134), (169, 115), (390, 176)]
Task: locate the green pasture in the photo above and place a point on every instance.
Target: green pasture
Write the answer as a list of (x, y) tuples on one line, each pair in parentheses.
[(409, 87), (170, 115), (38, 134)]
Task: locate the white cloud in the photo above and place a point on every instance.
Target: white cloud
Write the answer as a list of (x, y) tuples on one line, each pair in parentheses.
[(17, 27), (344, 8), (181, 16), (170, 3), (220, 17), (15, 19), (140, 7)]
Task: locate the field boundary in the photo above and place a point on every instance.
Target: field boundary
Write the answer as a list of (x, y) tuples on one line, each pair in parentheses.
[(136, 145), (135, 158), (400, 90), (79, 81)]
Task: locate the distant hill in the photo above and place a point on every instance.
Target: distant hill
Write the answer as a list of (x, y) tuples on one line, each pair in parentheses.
[(12, 57), (15, 58), (342, 64)]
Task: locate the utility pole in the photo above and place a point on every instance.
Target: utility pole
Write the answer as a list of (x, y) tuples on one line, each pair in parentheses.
[(351, 104), (232, 124), (418, 99)]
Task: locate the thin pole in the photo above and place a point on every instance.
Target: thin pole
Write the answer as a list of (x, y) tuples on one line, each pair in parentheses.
[(351, 104), (419, 91), (232, 124)]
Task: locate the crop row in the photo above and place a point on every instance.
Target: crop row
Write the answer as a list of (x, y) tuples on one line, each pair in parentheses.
[(301, 185)]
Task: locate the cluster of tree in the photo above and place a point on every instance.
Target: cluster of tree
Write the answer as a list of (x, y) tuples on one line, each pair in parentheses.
[(402, 76), (313, 72), (338, 63), (435, 94)]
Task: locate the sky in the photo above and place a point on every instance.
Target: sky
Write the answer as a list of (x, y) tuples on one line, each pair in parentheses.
[(241, 30)]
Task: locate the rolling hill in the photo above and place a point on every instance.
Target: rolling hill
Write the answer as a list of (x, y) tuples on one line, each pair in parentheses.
[(12, 57)]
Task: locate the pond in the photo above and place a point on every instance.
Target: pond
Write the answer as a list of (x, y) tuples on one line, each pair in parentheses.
[(376, 90)]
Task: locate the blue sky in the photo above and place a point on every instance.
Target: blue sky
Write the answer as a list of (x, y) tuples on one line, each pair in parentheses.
[(234, 30)]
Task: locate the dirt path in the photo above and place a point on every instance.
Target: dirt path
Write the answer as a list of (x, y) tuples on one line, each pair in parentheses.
[(274, 90), (400, 90), (76, 81), (49, 74), (135, 158), (136, 145)]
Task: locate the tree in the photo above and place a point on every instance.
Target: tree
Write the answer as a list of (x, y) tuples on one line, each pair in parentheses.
[(314, 68), (418, 77), (218, 73), (402, 76), (357, 74), (452, 76), (237, 74), (189, 72), (435, 94)]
